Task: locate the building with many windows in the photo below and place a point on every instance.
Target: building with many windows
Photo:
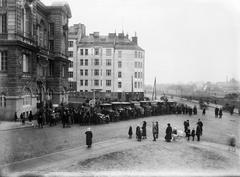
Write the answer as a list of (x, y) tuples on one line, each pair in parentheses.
[(111, 64), (75, 33), (33, 55)]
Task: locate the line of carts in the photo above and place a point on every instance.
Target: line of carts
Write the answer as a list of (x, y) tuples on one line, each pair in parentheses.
[(117, 111)]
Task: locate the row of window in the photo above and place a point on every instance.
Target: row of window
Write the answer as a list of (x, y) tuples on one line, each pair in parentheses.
[(26, 65), (70, 43), (107, 91), (96, 72), (138, 85), (138, 64), (97, 62), (99, 82), (138, 54), (109, 52), (138, 75), (3, 23), (3, 60)]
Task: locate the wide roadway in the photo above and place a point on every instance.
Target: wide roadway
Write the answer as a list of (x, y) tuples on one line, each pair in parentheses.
[(32, 142)]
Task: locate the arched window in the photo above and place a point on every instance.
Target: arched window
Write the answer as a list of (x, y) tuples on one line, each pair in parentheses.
[(26, 21), (3, 100), (27, 98)]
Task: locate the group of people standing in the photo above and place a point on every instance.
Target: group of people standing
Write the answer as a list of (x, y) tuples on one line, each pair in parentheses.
[(171, 134), (192, 133), (218, 112), (141, 132)]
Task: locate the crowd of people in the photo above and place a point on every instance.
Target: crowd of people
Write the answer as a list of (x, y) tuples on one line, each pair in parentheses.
[(171, 134), (218, 112)]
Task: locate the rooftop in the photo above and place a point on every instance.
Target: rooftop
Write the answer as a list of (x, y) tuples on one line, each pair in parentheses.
[(111, 40)]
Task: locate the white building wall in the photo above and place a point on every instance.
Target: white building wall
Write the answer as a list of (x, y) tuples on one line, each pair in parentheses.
[(128, 70)]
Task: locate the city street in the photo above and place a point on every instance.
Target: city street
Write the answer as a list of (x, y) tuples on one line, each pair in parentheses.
[(121, 153)]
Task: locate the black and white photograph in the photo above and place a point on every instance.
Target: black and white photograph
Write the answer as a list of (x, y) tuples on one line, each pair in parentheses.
[(119, 88)]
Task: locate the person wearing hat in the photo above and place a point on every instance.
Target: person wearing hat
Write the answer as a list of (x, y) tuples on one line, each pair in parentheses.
[(168, 136), (89, 136)]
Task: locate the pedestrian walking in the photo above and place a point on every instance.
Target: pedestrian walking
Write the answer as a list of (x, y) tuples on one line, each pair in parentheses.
[(186, 125), (30, 117), (168, 136), (198, 132), (138, 133), (220, 113), (188, 133), (195, 110), (15, 117), (204, 111), (40, 120), (22, 117), (144, 130), (89, 136), (216, 112), (157, 130), (130, 132), (201, 126), (193, 133), (154, 131)]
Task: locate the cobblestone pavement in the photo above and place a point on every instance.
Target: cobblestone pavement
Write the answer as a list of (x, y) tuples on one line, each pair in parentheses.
[(21, 144)]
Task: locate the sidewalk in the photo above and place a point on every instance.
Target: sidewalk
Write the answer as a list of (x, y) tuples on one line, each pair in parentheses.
[(7, 125)]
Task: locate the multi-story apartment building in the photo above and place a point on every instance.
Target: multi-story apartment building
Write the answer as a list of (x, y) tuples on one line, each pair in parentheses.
[(111, 64), (33, 55), (75, 33)]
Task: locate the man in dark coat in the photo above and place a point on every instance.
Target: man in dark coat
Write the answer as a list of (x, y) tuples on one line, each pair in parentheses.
[(138, 133), (144, 130), (186, 125), (168, 136), (195, 110), (188, 133), (193, 134), (130, 132), (216, 112), (204, 111), (15, 117), (30, 117), (157, 130), (22, 117), (201, 125), (89, 136), (198, 132), (220, 113)]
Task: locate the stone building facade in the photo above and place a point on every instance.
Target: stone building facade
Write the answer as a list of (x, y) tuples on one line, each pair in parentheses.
[(75, 33), (112, 64), (33, 55)]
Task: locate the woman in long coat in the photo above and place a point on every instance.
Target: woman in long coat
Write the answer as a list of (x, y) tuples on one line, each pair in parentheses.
[(144, 130), (198, 132), (89, 136), (138, 133), (168, 136)]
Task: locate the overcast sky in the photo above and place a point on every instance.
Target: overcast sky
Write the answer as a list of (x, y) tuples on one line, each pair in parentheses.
[(184, 40)]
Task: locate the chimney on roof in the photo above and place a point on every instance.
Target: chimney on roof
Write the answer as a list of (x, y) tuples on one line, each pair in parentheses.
[(135, 40)]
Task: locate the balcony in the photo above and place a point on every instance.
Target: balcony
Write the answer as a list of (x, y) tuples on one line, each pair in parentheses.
[(18, 37), (59, 54)]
